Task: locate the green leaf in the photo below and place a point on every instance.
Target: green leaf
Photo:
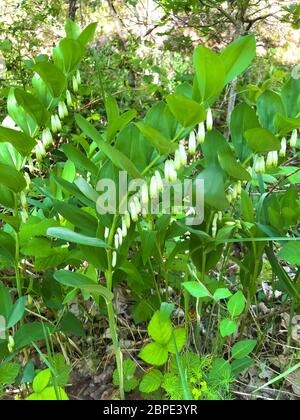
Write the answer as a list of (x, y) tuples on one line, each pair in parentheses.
[(234, 169), (117, 158), (187, 111), (154, 354), (71, 325), (72, 29), (76, 238), (290, 95), (68, 55), (221, 294), (243, 349), (119, 124), (130, 381), (32, 332), (112, 109), (220, 372), (268, 105), (6, 304), (243, 118), (158, 140), (214, 188), (8, 373), (237, 56), (160, 328), (41, 380), (196, 289), (87, 223), (236, 304), (54, 78), (228, 327), (87, 34), (247, 209), (21, 141), (285, 281), (79, 159), (80, 281), (210, 71), (62, 370), (11, 178), (151, 381), (180, 339), (32, 106), (239, 366), (291, 253), (285, 125), (261, 140), (17, 312)]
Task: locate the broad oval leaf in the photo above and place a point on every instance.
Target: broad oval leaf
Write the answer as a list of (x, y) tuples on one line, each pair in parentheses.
[(69, 236), (261, 140), (238, 56), (80, 281), (187, 111)]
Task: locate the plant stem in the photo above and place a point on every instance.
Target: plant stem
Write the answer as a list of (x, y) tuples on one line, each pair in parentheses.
[(111, 313), (17, 253)]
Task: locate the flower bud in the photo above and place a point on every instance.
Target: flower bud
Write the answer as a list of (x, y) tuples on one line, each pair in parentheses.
[(69, 98), (159, 181), (124, 228), (230, 224), (137, 204), (209, 120), (11, 344), (239, 188), (126, 219), (215, 225), (54, 124), (120, 234), (47, 138), (116, 240), (201, 133), (61, 111), (234, 192), (78, 77), (275, 158), (145, 194), (294, 138), (75, 84), (30, 165), (229, 198), (183, 156), (283, 148), (177, 161), (106, 233), (192, 143), (58, 123), (272, 159), (167, 170), (220, 216), (153, 188), (172, 172), (260, 165), (114, 259), (133, 212)]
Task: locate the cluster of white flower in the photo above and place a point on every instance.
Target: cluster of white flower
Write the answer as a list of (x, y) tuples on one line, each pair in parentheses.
[(138, 204), (76, 81), (234, 192), (273, 157)]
